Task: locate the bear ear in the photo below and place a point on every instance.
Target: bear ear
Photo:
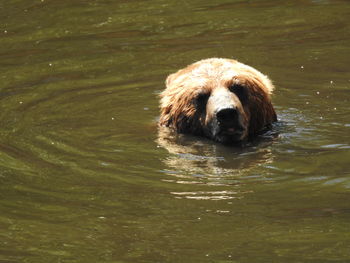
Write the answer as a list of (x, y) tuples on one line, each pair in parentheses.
[(169, 79)]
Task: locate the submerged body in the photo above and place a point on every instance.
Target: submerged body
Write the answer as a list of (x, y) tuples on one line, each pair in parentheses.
[(221, 99)]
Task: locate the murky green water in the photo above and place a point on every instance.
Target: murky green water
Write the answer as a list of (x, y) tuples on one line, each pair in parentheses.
[(86, 177)]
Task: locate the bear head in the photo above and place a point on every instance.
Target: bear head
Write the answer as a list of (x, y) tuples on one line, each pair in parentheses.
[(221, 99)]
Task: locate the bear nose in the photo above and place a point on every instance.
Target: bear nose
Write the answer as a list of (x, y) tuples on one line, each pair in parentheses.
[(227, 116)]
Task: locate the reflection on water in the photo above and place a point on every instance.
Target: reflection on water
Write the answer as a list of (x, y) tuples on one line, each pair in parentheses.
[(196, 160), (195, 156), (209, 195)]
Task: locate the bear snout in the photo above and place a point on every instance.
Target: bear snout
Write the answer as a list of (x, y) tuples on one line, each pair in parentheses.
[(227, 116), (227, 126)]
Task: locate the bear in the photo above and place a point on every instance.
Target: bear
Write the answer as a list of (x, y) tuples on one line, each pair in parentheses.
[(218, 98)]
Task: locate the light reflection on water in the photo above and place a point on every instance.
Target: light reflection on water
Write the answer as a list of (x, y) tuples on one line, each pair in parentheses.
[(199, 161), (208, 195)]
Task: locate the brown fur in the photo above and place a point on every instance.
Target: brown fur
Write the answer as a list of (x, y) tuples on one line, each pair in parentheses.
[(210, 82)]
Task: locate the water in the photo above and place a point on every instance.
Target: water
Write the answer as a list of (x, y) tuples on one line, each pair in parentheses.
[(86, 176)]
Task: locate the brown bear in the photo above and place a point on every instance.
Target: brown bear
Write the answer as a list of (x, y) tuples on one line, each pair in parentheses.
[(221, 99)]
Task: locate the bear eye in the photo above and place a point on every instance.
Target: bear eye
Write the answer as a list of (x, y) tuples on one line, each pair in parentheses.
[(240, 91), (201, 100)]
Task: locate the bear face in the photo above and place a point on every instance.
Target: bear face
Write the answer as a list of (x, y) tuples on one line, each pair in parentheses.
[(221, 99)]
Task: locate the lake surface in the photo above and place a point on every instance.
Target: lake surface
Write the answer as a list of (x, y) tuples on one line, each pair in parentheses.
[(86, 176)]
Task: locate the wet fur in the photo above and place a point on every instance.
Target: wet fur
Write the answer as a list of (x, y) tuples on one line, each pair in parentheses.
[(179, 109)]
